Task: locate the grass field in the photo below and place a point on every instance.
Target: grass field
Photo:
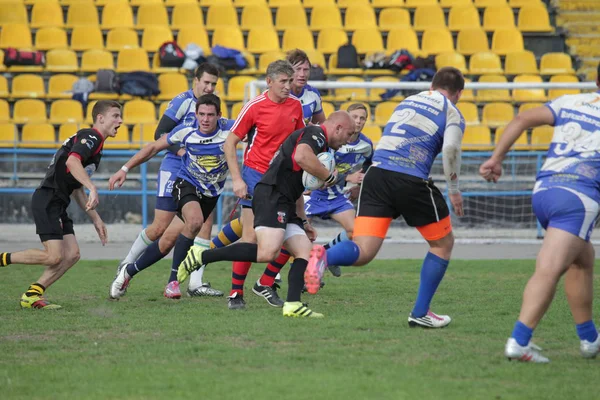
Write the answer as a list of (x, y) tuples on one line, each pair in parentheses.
[(148, 347)]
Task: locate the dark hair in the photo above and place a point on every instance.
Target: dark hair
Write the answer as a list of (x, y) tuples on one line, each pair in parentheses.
[(450, 79), (103, 106), (209, 100), (357, 106), (297, 56), (209, 68)]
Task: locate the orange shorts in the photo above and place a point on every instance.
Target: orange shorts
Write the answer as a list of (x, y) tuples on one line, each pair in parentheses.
[(371, 226), (436, 230)]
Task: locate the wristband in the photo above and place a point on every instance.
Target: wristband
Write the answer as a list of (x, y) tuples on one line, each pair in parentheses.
[(304, 222), (330, 179), (124, 169)]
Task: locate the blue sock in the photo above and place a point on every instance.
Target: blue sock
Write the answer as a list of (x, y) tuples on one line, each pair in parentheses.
[(339, 238), (149, 257), (182, 245), (587, 331), (343, 253), (432, 272), (522, 333)]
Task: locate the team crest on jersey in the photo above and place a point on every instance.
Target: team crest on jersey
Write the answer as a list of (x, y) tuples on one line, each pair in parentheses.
[(319, 141), (281, 216)]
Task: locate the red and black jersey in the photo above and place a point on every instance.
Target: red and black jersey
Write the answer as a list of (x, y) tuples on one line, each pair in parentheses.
[(284, 173), (86, 145)]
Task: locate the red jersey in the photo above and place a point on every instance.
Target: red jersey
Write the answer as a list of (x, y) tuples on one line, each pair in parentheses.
[(267, 125)]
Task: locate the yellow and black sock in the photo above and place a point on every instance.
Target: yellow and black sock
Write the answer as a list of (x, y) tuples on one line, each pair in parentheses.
[(5, 259), (35, 289)]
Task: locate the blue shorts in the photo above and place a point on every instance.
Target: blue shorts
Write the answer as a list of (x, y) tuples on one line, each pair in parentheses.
[(565, 209), (164, 190), (324, 208), (251, 177)]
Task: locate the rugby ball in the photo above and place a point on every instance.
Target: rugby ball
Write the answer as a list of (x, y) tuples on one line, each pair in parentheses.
[(311, 182)]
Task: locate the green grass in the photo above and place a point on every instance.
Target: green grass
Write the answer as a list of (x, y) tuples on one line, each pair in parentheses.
[(148, 347)]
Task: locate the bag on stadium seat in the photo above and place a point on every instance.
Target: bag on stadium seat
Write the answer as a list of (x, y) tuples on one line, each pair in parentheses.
[(139, 83), (171, 55), (106, 81), (13, 56), (347, 57), (318, 74), (230, 58)]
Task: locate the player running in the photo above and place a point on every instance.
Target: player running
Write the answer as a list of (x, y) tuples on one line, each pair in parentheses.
[(565, 200), (70, 170), (279, 208), (398, 184)]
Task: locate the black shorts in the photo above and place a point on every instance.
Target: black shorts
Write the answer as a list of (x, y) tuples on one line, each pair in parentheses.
[(271, 209), (386, 194), (50, 215), (184, 192)]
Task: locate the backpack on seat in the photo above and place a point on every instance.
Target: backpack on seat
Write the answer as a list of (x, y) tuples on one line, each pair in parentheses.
[(347, 57), (106, 81), (171, 55)]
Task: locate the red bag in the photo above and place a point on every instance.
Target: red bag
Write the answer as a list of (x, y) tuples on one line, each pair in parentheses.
[(13, 56)]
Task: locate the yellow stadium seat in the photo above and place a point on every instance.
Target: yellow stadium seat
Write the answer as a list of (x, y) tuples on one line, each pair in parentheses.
[(3, 86), (358, 94), (383, 112), (477, 137), (455, 3), (390, 18), (330, 39), (290, 16), (117, 15), (488, 3), (525, 95), (256, 15), (224, 110), (132, 60), (86, 38), (541, 137), (208, 3), (534, 18), (221, 15), (505, 41), (60, 86), (267, 58), (556, 64), (38, 136), (373, 132), (121, 38), (485, 95), (61, 60), (471, 41), (192, 34), (417, 3), (437, 40), (4, 114), (220, 89), (348, 3), (93, 60), (138, 111), (2, 67), (15, 35), (328, 108), (521, 62), (229, 37), (8, 135), (82, 14), (485, 63), (29, 111), (144, 2), (28, 85), (277, 3), (403, 38), (236, 87), (62, 111), (498, 17), (528, 106), (427, 17), (171, 84), (325, 17), (359, 17), (521, 3), (384, 3), (236, 108), (162, 108), (68, 129), (46, 14), (51, 38), (367, 40), (555, 93), (463, 17), (186, 14), (297, 38), (152, 15), (451, 59), (261, 40), (315, 3), (520, 144), (374, 93), (154, 36), (316, 57), (469, 112), (495, 115), (120, 141), (13, 12), (143, 134)]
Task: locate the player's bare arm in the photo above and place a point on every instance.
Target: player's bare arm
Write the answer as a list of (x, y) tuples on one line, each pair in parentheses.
[(76, 168), (166, 125), (311, 232), (318, 119), (307, 160), (81, 199), (230, 149), (451, 158)]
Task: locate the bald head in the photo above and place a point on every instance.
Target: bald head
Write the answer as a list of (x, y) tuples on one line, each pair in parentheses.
[(340, 127)]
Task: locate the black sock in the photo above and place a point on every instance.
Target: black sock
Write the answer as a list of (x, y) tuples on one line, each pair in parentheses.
[(4, 259), (149, 257), (296, 279), (234, 252), (182, 245)]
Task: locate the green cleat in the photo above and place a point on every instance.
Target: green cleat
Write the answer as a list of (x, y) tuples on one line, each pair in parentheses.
[(37, 303), (192, 262), (299, 309)]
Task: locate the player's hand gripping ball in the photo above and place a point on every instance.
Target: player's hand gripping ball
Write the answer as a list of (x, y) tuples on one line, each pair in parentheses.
[(311, 182)]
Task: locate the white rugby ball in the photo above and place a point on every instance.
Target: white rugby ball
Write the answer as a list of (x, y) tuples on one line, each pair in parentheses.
[(311, 182)]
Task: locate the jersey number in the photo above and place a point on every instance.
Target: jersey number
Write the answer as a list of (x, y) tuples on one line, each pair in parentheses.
[(400, 118), (573, 138)]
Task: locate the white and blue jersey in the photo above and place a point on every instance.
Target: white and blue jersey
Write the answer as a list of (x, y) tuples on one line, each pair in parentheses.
[(203, 164), (414, 134), (567, 191), (311, 102)]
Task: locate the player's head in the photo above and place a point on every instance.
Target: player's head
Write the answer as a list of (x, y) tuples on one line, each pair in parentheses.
[(450, 82), (208, 112), (340, 128), (359, 113), (301, 65), (106, 115), (205, 79), (279, 79)]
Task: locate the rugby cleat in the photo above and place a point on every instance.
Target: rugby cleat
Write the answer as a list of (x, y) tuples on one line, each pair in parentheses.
[(204, 290), (335, 270), (298, 309), (429, 320), (172, 290), (315, 268), (236, 302), (268, 293), (37, 303), (590, 350), (192, 262), (529, 353), (118, 288)]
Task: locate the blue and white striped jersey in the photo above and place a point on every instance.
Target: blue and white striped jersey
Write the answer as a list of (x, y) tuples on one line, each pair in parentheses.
[(203, 164), (311, 102), (414, 134), (182, 110)]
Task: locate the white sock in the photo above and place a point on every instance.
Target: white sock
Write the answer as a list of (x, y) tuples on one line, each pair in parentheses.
[(139, 246), (196, 276)]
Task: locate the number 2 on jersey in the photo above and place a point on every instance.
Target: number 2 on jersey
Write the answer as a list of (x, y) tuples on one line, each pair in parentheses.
[(401, 117)]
